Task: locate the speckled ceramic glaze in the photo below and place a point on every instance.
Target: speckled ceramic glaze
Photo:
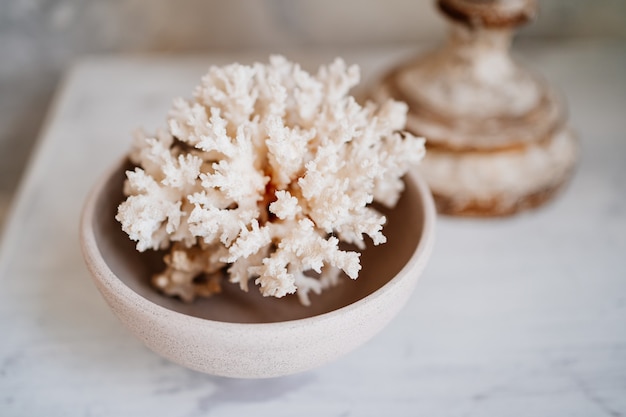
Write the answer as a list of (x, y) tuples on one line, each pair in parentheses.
[(245, 335)]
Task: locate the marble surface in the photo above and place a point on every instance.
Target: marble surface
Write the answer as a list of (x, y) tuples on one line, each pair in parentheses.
[(517, 317)]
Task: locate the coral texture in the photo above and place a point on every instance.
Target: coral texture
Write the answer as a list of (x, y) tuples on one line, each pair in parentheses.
[(260, 176)]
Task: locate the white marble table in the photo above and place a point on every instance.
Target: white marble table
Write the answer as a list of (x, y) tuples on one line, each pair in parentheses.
[(513, 317)]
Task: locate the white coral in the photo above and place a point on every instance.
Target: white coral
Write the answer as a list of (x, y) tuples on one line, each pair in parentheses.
[(262, 174)]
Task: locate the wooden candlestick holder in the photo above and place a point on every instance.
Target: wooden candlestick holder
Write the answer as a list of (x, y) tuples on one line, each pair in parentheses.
[(497, 140)]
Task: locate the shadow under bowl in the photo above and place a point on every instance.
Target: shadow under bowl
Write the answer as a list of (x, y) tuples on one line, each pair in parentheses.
[(243, 334)]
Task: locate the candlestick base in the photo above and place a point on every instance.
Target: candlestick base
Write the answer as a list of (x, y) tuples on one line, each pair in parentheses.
[(497, 139)]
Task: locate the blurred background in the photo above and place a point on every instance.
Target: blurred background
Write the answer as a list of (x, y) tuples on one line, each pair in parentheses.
[(40, 39)]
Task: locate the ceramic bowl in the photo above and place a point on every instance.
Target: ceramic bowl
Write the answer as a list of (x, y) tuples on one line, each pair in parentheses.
[(239, 334)]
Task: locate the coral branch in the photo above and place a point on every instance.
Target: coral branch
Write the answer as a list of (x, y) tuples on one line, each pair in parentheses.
[(261, 175)]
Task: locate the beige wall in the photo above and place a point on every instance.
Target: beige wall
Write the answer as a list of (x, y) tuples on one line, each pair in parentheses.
[(40, 38)]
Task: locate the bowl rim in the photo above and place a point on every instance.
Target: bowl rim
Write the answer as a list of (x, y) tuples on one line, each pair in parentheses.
[(100, 271)]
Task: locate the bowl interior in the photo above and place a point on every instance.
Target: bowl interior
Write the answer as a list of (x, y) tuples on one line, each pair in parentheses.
[(380, 264)]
